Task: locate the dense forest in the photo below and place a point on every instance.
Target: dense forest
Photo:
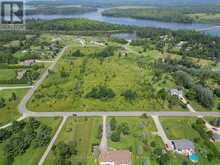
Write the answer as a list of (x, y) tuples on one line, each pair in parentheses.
[(72, 25)]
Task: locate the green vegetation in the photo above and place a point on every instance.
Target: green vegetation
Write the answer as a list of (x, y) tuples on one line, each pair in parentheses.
[(189, 128), (136, 135), (76, 141), (200, 127), (63, 10), (183, 14), (148, 13), (18, 47), (191, 78), (193, 71), (72, 25), (8, 107), (26, 141), (212, 18), (215, 122), (95, 80)]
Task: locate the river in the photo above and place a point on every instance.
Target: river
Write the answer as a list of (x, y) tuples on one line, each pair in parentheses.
[(131, 21)]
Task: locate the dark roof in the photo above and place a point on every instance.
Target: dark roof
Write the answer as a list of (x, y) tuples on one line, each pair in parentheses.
[(183, 144), (215, 136)]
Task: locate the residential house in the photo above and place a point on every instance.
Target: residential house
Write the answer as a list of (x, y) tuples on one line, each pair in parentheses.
[(216, 137), (121, 157), (179, 94), (183, 146), (28, 62)]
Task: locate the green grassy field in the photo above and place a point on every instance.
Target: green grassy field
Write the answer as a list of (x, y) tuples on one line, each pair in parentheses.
[(84, 132), (7, 74), (32, 155), (132, 72), (10, 111), (180, 128)]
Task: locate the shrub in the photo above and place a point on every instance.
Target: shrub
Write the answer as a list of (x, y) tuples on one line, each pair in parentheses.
[(115, 136), (129, 95), (101, 92)]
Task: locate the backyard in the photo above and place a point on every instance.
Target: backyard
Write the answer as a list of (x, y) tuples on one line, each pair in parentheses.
[(181, 128)]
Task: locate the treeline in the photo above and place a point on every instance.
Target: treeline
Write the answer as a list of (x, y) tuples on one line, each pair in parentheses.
[(18, 138), (160, 14), (72, 25)]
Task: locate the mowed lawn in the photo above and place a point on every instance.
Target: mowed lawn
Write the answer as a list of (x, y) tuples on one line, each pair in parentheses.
[(84, 132), (132, 72), (140, 139), (32, 155), (10, 111), (181, 128), (7, 74)]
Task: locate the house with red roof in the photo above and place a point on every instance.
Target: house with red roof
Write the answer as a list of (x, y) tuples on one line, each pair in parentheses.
[(121, 157)]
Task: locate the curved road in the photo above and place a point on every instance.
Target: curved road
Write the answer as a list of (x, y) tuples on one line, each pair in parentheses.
[(22, 106)]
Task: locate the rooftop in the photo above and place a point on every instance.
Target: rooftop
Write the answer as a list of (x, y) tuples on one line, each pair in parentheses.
[(216, 137), (122, 157), (183, 144)]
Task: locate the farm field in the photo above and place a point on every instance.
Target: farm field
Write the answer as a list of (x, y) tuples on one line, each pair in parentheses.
[(84, 133), (33, 154), (181, 128), (124, 71)]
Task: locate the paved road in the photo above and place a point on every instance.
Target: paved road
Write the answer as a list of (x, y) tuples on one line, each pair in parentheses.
[(15, 87), (136, 113), (22, 106), (44, 61), (43, 158), (103, 145)]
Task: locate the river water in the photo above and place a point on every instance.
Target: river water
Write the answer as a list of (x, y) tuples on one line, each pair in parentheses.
[(136, 22)]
